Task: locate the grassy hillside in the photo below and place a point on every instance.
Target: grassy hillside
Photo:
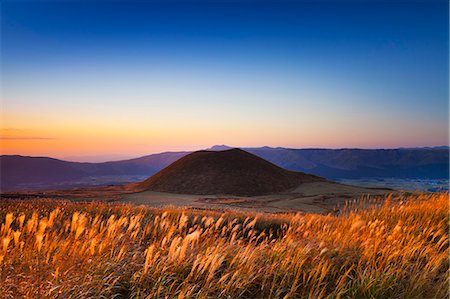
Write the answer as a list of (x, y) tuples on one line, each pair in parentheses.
[(231, 172), (397, 249)]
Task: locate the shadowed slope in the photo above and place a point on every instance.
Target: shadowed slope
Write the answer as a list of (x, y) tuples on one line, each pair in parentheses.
[(231, 172)]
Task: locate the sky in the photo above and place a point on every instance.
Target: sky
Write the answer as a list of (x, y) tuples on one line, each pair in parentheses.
[(102, 80)]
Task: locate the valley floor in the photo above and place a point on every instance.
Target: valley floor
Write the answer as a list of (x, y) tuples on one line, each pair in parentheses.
[(319, 197)]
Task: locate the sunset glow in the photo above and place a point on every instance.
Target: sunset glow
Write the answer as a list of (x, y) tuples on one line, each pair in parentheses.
[(94, 82)]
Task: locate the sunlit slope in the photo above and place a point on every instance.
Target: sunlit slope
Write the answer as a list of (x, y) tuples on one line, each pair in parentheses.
[(55, 249)]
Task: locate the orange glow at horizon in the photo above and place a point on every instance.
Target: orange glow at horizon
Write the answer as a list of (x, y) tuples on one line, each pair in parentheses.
[(121, 133), (63, 141)]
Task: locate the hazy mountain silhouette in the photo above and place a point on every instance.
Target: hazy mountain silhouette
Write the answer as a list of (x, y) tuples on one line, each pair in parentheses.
[(230, 172), (40, 173), (33, 173)]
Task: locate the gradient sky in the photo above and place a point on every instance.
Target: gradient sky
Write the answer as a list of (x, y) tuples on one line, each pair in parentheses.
[(102, 80)]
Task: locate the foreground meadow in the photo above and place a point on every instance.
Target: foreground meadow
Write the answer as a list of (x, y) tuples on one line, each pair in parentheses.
[(396, 248)]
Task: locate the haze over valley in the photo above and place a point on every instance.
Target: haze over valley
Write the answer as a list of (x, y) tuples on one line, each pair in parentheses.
[(361, 166)]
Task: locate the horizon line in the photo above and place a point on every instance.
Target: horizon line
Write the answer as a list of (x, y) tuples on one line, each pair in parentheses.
[(124, 157)]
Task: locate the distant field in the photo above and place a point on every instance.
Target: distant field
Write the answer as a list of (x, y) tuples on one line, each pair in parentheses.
[(431, 185), (317, 197), (374, 249)]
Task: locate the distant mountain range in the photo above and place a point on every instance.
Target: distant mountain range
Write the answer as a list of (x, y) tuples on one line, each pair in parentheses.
[(40, 173)]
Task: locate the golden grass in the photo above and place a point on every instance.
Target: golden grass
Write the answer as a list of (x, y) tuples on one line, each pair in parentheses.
[(61, 249)]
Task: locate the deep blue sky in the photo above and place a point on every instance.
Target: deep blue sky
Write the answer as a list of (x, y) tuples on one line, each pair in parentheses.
[(188, 74)]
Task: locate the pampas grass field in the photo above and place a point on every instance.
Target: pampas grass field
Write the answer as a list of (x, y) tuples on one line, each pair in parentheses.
[(393, 248)]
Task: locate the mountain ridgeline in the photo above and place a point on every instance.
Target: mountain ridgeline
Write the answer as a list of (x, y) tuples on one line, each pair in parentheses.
[(40, 173)]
